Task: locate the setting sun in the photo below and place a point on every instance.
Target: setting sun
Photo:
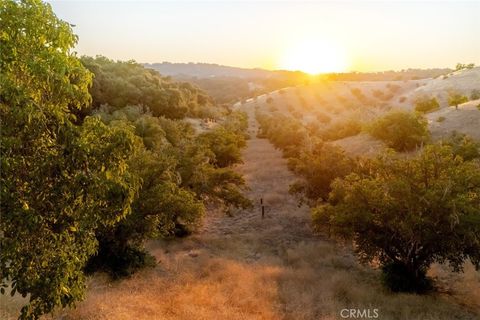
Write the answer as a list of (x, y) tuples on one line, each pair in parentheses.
[(314, 57)]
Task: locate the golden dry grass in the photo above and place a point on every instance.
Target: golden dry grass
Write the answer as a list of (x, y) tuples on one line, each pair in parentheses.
[(246, 267)]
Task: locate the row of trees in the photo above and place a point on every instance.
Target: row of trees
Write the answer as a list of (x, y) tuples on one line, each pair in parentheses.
[(89, 172), (405, 212), (120, 84)]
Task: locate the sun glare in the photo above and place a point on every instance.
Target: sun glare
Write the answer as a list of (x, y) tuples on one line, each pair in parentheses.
[(314, 57)]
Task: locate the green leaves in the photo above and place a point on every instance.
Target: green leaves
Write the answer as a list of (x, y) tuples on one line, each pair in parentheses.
[(122, 84), (71, 180), (400, 130), (412, 211), (54, 190)]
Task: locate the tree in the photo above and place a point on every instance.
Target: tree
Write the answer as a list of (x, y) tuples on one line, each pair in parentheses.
[(461, 66), (455, 98), (425, 104), (319, 166), (179, 171), (120, 84), (58, 184), (408, 213), (400, 130)]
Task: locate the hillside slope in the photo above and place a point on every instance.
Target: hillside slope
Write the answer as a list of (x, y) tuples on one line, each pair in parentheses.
[(463, 81), (464, 120), (244, 267)]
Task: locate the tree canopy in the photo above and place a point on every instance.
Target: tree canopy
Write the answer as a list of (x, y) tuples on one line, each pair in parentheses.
[(90, 172), (408, 213), (401, 130), (59, 184), (120, 84)]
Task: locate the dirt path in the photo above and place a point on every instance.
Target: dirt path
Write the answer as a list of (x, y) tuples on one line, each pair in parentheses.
[(246, 267), (268, 179), (229, 269)]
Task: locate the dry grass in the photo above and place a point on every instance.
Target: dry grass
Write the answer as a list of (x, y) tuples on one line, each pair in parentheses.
[(246, 267), (213, 288)]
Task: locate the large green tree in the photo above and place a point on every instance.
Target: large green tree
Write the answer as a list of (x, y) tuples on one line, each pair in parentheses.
[(409, 213), (61, 178)]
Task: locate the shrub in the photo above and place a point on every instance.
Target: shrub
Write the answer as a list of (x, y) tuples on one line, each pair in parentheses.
[(284, 132), (341, 129), (440, 119), (408, 213), (475, 94), (400, 130), (462, 66), (463, 146), (359, 95), (425, 104), (402, 99), (455, 98), (318, 167)]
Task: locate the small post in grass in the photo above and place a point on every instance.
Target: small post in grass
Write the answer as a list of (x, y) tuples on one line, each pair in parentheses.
[(263, 208)]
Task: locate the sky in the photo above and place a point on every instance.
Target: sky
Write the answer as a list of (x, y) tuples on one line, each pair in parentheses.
[(312, 36)]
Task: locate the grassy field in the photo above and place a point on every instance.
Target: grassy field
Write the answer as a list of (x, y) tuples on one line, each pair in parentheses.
[(245, 267)]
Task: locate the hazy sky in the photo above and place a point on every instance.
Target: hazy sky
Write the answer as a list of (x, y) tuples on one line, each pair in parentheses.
[(368, 35)]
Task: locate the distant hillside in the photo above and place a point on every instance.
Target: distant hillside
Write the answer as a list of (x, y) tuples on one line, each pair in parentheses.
[(462, 81), (336, 106), (229, 84), (208, 70), (406, 74)]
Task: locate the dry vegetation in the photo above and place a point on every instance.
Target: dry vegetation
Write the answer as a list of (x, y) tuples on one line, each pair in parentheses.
[(246, 267)]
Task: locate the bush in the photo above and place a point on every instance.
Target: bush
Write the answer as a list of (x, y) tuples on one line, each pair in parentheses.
[(318, 167), (455, 98), (462, 66), (284, 132), (463, 146), (425, 104), (441, 119), (400, 130), (402, 99), (359, 95), (341, 129)]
